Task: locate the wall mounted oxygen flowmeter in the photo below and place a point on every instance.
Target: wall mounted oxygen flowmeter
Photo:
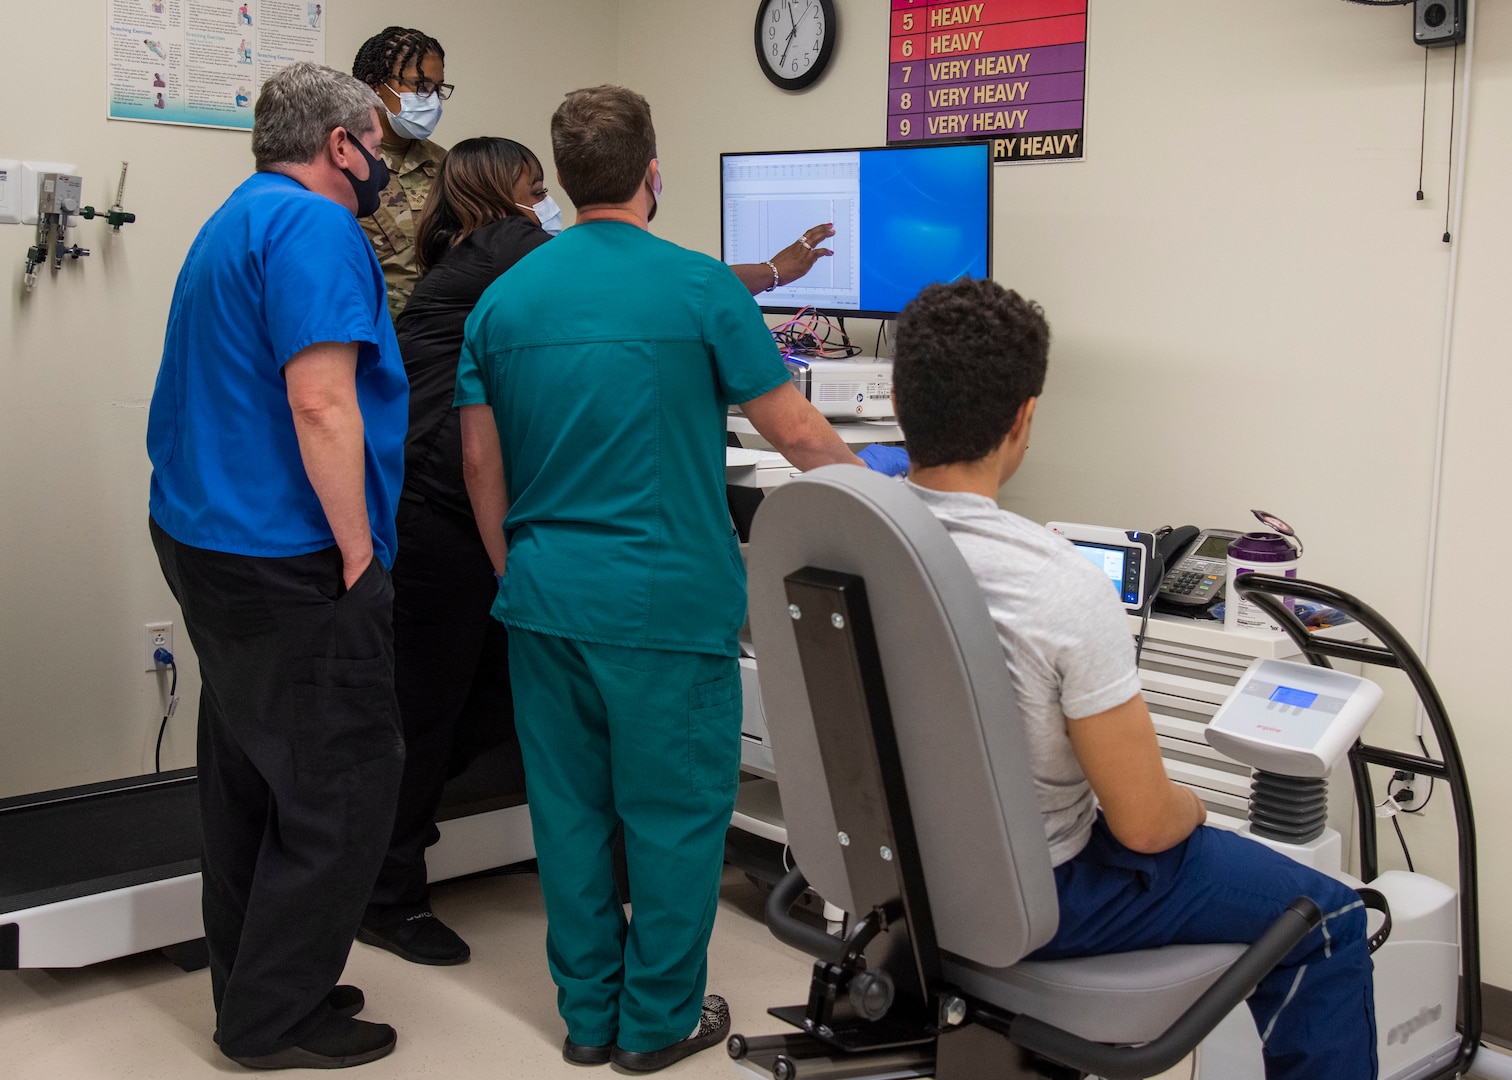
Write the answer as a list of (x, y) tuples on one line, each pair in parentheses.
[(59, 195)]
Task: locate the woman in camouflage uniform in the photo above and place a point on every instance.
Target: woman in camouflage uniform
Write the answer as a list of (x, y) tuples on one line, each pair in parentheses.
[(407, 69)]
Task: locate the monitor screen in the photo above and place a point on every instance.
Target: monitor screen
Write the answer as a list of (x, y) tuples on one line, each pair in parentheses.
[(904, 217), (1287, 695), (1120, 564)]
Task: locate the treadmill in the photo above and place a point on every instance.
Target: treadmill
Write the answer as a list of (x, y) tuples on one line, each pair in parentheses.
[(105, 870)]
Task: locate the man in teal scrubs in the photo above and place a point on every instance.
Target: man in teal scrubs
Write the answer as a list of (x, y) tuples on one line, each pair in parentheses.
[(594, 384)]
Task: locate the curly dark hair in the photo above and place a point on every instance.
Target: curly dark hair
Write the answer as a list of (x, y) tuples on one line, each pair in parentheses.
[(968, 355), (388, 53)]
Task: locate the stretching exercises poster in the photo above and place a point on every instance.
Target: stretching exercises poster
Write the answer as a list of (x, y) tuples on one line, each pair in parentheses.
[(202, 62)]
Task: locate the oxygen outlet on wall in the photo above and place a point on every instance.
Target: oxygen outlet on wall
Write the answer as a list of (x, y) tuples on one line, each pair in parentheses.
[(156, 635), (58, 197)]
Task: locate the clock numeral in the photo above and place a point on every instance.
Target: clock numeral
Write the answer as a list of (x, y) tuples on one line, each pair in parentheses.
[(795, 65), (905, 126), (907, 72), (776, 15), (771, 31), (906, 101), (908, 46), (774, 50)]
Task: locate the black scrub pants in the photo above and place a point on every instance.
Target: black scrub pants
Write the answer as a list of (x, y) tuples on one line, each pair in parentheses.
[(300, 755), (451, 675)]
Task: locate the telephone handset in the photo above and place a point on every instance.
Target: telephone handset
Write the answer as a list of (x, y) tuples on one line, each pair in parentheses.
[(1196, 566)]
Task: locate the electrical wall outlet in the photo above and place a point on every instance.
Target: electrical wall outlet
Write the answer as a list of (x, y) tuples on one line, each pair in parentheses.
[(158, 635), (10, 192)]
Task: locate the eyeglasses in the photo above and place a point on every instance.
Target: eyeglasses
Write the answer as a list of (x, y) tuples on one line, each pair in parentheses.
[(423, 86)]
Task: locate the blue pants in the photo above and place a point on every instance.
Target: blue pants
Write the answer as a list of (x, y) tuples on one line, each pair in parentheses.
[(1315, 1012), (649, 742)]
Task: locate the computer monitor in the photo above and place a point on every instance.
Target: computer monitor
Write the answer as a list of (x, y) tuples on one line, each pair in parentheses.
[(904, 217)]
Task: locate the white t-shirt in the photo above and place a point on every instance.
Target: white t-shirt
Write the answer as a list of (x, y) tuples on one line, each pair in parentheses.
[(1066, 639)]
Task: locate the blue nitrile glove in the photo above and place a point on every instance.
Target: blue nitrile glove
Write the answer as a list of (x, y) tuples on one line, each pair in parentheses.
[(887, 460)]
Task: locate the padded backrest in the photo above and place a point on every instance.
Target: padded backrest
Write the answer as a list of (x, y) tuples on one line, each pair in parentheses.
[(982, 839)]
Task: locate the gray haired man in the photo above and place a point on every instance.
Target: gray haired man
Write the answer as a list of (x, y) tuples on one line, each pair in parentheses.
[(276, 435)]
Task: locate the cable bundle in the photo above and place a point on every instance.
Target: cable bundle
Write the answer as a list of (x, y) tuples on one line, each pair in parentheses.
[(813, 334)]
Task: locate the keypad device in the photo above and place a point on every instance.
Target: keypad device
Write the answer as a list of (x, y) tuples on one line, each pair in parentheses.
[(1198, 577)]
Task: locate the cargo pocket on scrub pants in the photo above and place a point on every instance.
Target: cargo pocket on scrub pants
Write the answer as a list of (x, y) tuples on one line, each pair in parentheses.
[(714, 733), (349, 714)]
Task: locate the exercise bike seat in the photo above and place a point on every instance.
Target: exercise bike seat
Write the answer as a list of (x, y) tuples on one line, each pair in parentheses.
[(980, 834), (1130, 997)]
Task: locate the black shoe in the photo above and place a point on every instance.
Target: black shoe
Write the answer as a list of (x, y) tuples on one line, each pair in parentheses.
[(344, 1001), (574, 1054), (713, 1026), (420, 938), (339, 1043)]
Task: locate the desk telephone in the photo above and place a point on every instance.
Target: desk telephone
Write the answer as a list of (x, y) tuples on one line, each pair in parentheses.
[(1196, 562)]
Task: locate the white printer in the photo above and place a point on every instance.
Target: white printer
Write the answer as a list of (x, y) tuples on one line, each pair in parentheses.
[(856, 387)]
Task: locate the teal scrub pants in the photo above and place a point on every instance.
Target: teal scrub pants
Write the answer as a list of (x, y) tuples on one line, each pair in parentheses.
[(648, 740)]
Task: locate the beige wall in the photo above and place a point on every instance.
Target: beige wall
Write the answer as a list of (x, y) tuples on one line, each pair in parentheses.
[(78, 356), (1470, 643), (1247, 300), (1239, 279)]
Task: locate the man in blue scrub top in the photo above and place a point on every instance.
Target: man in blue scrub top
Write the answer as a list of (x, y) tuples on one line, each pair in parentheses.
[(277, 442), (594, 383)]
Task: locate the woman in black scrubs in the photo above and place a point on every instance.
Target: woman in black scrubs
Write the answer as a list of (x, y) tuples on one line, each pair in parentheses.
[(451, 658)]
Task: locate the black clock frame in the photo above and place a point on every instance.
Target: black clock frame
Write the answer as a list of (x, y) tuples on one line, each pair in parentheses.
[(826, 51)]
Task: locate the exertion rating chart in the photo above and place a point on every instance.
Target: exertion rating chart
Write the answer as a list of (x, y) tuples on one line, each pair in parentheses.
[(1012, 72)]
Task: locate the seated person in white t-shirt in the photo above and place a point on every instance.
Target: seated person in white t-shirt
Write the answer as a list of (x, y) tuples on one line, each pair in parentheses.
[(1135, 867)]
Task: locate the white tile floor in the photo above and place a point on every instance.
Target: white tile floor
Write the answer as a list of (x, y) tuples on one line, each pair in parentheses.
[(494, 1017)]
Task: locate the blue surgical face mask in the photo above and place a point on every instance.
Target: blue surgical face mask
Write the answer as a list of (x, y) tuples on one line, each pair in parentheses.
[(418, 115), (656, 190), (549, 214)]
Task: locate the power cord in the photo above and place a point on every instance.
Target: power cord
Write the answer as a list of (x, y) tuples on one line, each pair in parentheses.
[(1150, 593), (1406, 794), (1395, 797), (811, 333), (164, 658), (1390, 808), (1397, 825)]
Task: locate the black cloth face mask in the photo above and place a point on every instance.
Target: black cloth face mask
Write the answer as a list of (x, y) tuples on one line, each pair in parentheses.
[(368, 191)]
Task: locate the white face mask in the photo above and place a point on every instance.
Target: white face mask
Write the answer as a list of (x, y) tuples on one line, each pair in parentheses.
[(418, 115), (549, 214)]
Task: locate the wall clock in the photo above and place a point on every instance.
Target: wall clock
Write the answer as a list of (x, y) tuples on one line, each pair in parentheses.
[(794, 40)]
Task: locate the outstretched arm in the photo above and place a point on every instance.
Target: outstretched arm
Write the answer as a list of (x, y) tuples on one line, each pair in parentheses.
[(784, 418), (789, 264)]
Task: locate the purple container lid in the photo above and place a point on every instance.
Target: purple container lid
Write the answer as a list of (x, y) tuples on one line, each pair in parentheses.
[(1261, 547)]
